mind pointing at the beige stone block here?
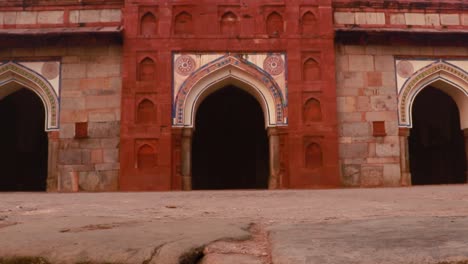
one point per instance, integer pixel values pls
(111, 155)
(415, 19)
(71, 84)
(355, 49)
(353, 150)
(397, 19)
(26, 17)
(101, 116)
(9, 18)
(352, 79)
(72, 71)
(450, 19)
(346, 104)
(432, 20)
(360, 129)
(373, 18)
(111, 15)
(371, 175)
(102, 70)
(67, 130)
(349, 117)
(74, 16)
(391, 174)
(381, 116)
(89, 181)
(384, 103)
(351, 174)
(89, 16)
(1, 18)
(452, 51)
(464, 19)
(50, 17)
(96, 156)
(361, 62)
(72, 103)
(387, 149)
(384, 63)
(360, 18)
(344, 18)
(363, 103)
(388, 79)
(73, 116)
(90, 143)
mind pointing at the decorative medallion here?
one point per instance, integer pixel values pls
(274, 65)
(50, 70)
(185, 65)
(405, 69)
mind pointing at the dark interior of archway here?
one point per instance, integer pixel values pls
(436, 142)
(23, 143)
(230, 143)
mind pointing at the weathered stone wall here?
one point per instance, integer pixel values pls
(90, 92)
(366, 92)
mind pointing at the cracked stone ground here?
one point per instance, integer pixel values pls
(388, 225)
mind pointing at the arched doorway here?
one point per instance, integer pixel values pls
(230, 143)
(436, 141)
(23, 141)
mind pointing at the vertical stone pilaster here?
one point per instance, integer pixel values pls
(186, 159)
(52, 170)
(405, 179)
(274, 145)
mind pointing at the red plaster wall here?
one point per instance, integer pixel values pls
(299, 44)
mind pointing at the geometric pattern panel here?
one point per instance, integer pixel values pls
(269, 69)
(42, 77)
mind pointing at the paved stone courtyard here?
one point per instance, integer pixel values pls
(385, 225)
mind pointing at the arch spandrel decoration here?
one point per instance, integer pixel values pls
(17, 75)
(262, 75)
(413, 76)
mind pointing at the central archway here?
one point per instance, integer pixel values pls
(436, 142)
(230, 143)
(24, 143)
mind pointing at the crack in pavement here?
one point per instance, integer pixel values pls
(157, 250)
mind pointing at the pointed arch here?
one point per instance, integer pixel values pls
(229, 23)
(230, 70)
(14, 76)
(148, 24)
(313, 156)
(274, 24)
(311, 70)
(312, 111)
(308, 23)
(146, 112)
(146, 69)
(183, 23)
(146, 157)
(441, 75)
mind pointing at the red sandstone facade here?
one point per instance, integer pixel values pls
(348, 70)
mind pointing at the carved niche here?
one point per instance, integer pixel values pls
(274, 24)
(312, 111)
(311, 70)
(183, 23)
(148, 24)
(229, 24)
(146, 69)
(313, 156)
(309, 23)
(146, 112)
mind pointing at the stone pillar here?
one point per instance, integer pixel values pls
(405, 179)
(465, 133)
(274, 143)
(52, 179)
(186, 159)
